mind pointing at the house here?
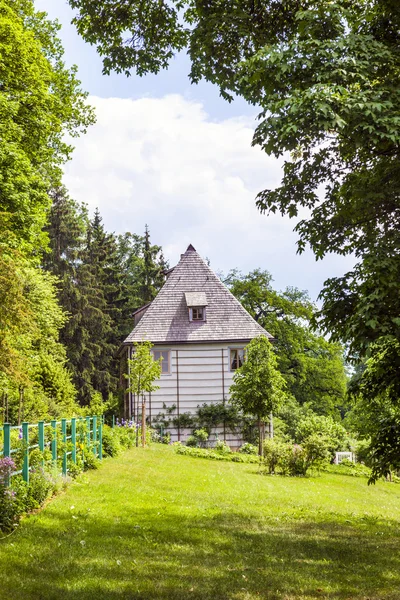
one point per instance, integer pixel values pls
(200, 331)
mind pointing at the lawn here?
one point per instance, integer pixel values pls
(151, 524)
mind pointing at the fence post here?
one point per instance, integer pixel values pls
(7, 445)
(73, 439)
(7, 439)
(54, 441)
(113, 421)
(88, 432)
(41, 438)
(95, 436)
(25, 440)
(64, 439)
(101, 440)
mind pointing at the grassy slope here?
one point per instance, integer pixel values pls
(154, 525)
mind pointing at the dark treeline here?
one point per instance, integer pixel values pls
(102, 279)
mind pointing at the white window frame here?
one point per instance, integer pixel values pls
(238, 349)
(160, 351)
(202, 308)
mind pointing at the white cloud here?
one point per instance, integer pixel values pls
(164, 162)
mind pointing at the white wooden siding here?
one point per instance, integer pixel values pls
(200, 376)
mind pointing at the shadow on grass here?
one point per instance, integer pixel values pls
(215, 556)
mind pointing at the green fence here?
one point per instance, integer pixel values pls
(63, 439)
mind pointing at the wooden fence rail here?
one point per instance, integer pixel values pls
(65, 438)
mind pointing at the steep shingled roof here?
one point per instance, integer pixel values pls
(166, 319)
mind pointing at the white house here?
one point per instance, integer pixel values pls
(200, 330)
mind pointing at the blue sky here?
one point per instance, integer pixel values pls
(179, 158)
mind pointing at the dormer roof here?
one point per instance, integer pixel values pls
(166, 319)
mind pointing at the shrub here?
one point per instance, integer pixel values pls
(9, 509)
(111, 441)
(222, 447)
(247, 448)
(90, 460)
(334, 433)
(201, 436)
(74, 469)
(212, 455)
(276, 456)
(297, 460)
(39, 488)
(191, 441)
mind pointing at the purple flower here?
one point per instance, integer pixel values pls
(7, 466)
(20, 434)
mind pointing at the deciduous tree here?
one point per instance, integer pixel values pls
(258, 388)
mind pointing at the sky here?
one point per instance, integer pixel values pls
(178, 158)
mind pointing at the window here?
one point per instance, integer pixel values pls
(236, 358)
(166, 362)
(197, 313)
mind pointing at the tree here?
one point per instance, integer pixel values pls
(41, 105)
(143, 370)
(326, 75)
(258, 388)
(41, 102)
(312, 366)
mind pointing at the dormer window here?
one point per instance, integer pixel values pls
(197, 304)
(197, 313)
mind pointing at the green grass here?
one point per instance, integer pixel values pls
(154, 525)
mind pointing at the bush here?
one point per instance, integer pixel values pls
(10, 510)
(247, 448)
(334, 433)
(222, 447)
(201, 437)
(90, 461)
(276, 455)
(74, 469)
(111, 441)
(293, 459)
(363, 452)
(212, 455)
(39, 488)
(317, 451)
(198, 439)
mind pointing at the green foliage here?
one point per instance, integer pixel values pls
(312, 367)
(211, 416)
(247, 448)
(41, 105)
(222, 447)
(332, 432)
(213, 454)
(111, 441)
(90, 461)
(276, 456)
(143, 370)
(40, 102)
(293, 459)
(258, 387)
(198, 439)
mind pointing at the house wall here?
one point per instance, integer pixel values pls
(199, 373)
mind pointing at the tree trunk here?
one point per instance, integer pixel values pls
(143, 421)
